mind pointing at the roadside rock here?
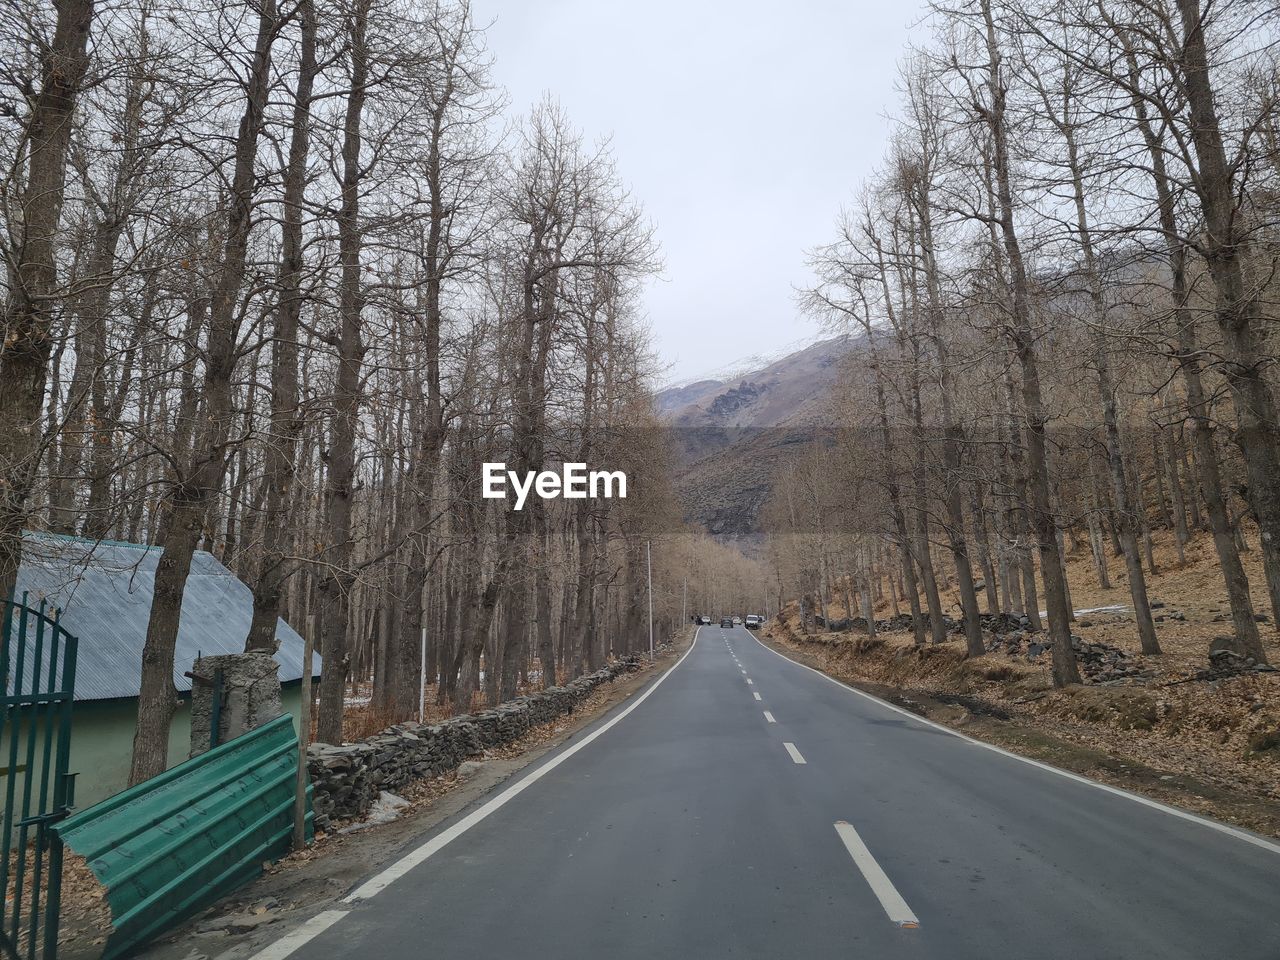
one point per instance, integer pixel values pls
(1225, 662)
(246, 923)
(1264, 741)
(1102, 663)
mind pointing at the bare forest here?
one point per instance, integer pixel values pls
(278, 278)
(1061, 279)
(626, 480)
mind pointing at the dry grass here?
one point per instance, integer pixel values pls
(1193, 588)
(363, 718)
(85, 915)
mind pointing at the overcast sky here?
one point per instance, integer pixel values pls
(741, 126)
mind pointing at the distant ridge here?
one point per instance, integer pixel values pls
(731, 430)
(743, 366)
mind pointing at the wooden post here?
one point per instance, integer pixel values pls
(422, 679)
(304, 739)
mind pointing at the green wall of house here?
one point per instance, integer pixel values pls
(102, 743)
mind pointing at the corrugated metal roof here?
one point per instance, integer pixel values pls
(104, 590)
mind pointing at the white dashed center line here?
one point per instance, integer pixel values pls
(795, 754)
(750, 681)
(769, 716)
(756, 694)
(880, 884)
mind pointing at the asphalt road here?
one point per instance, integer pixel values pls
(745, 806)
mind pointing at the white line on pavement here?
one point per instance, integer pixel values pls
(1106, 788)
(880, 884)
(769, 716)
(300, 936)
(406, 863)
(795, 754)
(750, 681)
(756, 694)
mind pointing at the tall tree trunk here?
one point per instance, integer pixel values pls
(287, 421)
(84, 406)
(338, 578)
(581, 639)
(426, 461)
(1240, 316)
(31, 305)
(922, 551)
(1024, 574)
(1179, 505)
(989, 581)
(1095, 532)
(1125, 511)
(953, 432)
(892, 484)
(1065, 669)
(1200, 423)
(186, 504)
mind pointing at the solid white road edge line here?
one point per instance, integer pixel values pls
(300, 936)
(876, 878)
(406, 863)
(795, 754)
(769, 716)
(1106, 788)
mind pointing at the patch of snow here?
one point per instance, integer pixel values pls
(1114, 608)
(385, 809)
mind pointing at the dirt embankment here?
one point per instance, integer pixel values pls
(1168, 726)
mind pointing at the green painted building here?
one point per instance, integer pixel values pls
(104, 591)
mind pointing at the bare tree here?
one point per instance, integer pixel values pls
(34, 193)
(186, 503)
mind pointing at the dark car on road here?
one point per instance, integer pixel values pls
(726, 621)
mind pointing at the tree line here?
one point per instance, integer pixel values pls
(279, 277)
(1060, 279)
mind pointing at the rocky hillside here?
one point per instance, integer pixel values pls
(730, 432)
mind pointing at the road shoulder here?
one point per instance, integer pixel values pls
(973, 719)
(316, 879)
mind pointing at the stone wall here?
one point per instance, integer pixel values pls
(347, 779)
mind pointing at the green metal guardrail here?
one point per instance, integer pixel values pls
(167, 848)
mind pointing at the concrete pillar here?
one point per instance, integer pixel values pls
(243, 689)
